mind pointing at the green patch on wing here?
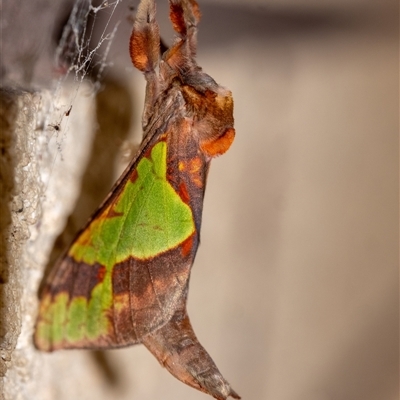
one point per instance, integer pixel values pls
(76, 322)
(146, 219)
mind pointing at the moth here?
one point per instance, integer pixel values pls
(124, 279)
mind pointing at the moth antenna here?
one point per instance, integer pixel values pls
(144, 49)
(184, 15)
(144, 46)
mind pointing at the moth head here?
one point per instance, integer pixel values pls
(206, 103)
(211, 112)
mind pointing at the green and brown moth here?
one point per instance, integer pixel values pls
(124, 280)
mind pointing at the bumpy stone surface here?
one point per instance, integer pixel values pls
(40, 182)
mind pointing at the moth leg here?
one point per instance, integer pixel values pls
(144, 49)
(176, 348)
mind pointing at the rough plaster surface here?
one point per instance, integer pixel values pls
(47, 166)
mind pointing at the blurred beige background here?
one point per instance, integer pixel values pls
(294, 291)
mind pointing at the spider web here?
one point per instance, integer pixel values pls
(67, 121)
(74, 53)
(80, 63)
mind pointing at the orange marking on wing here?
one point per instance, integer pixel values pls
(187, 246)
(197, 181)
(216, 147)
(183, 193)
(194, 169)
(111, 213)
(133, 176)
(85, 238)
(195, 165)
(101, 273)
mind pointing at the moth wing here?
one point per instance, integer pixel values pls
(127, 270)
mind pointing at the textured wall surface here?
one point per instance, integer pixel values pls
(294, 291)
(46, 185)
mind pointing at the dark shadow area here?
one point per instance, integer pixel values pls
(8, 112)
(114, 107)
(106, 368)
(113, 112)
